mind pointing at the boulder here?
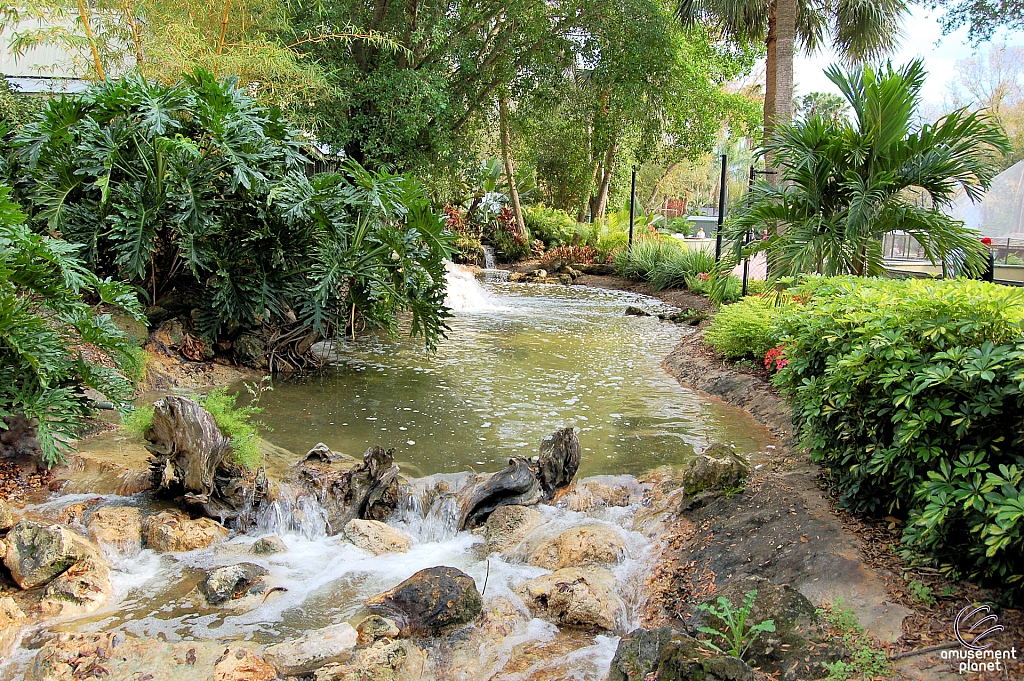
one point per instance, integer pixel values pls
(251, 351)
(378, 662)
(241, 664)
(584, 495)
(6, 516)
(117, 657)
(687, 659)
(376, 627)
(580, 546)
(798, 648)
(431, 601)
(508, 526)
(717, 467)
(233, 581)
(135, 331)
(573, 596)
(170, 333)
(600, 269)
(515, 485)
(80, 589)
(36, 553)
(376, 537)
(633, 311)
(174, 531)
(313, 650)
(119, 527)
(11, 620)
(559, 460)
(638, 654)
(265, 546)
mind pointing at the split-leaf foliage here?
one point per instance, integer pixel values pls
(51, 339)
(199, 189)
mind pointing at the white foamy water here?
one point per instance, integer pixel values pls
(465, 294)
(326, 581)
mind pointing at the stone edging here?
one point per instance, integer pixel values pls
(694, 366)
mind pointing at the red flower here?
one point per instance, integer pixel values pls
(775, 359)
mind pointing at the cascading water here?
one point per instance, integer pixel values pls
(465, 294)
(489, 263)
(325, 580)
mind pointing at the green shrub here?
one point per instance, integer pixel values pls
(745, 329)
(674, 270)
(196, 187)
(552, 226)
(46, 329)
(911, 393)
(643, 258)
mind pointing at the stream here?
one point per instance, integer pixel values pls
(519, 362)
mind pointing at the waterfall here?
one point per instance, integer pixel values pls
(465, 294)
(488, 258)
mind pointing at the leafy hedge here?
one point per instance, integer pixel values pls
(745, 330)
(552, 226)
(911, 393)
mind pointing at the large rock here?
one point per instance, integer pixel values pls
(233, 581)
(559, 460)
(579, 597)
(580, 546)
(595, 492)
(312, 650)
(431, 601)
(174, 531)
(376, 537)
(117, 527)
(508, 526)
(36, 553)
(798, 648)
(687, 659)
(11, 620)
(117, 657)
(241, 664)
(6, 516)
(717, 467)
(80, 589)
(638, 654)
(251, 351)
(265, 546)
(378, 662)
(515, 485)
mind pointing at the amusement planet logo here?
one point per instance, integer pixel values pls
(972, 625)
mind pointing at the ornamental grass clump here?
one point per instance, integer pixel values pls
(911, 394)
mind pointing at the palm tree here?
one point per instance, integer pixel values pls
(846, 183)
(857, 29)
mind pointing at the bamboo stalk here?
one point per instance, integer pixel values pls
(223, 27)
(92, 40)
(135, 32)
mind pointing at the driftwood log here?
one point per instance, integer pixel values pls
(365, 491)
(516, 485)
(192, 461)
(523, 484)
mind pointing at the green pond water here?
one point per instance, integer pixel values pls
(520, 361)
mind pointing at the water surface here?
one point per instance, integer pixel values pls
(520, 361)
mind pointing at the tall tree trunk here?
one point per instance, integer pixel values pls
(781, 51)
(510, 172)
(599, 204)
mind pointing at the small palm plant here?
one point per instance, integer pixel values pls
(848, 182)
(737, 634)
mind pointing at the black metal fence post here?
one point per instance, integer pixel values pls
(632, 202)
(721, 209)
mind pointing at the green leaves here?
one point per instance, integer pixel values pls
(195, 187)
(849, 182)
(44, 327)
(910, 393)
(734, 630)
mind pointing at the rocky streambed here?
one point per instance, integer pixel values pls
(344, 569)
